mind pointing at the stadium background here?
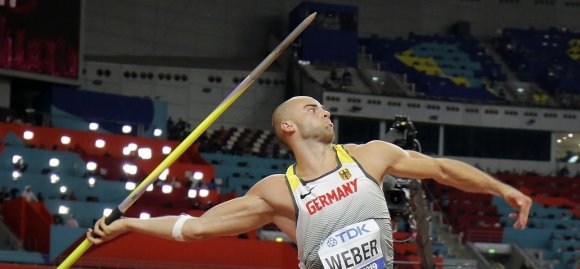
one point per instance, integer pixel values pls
(494, 83)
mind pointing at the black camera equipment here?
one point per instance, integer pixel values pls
(405, 197)
(396, 190)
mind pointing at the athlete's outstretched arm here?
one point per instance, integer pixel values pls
(411, 164)
(230, 218)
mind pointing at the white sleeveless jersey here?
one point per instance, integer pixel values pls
(344, 196)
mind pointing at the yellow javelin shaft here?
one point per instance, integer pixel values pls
(183, 146)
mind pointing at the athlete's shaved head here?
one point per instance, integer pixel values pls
(285, 112)
(281, 113)
(305, 115)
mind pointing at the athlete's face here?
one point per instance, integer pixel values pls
(312, 120)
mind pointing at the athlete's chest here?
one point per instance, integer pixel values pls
(330, 190)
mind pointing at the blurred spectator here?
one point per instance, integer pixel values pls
(28, 194)
(212, 184)
(346, 78)
(563, 172)
(72, 222)
(178, 130)
(91, 198)
(176, 183)
(72, 196)
(326, 85)
(4, 194)
(333, 75)
(57, 219)
(21, 166)
(170, 124)
(40, 197)
(14, 193)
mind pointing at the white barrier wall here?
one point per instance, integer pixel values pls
(195, 93)
(454, 113)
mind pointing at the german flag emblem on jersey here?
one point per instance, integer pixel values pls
(345, 174)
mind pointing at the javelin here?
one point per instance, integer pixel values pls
(180, 149)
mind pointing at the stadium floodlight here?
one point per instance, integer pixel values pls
(192, 193)
(54, 178)
(144, 153)
(198, 175)
(16, 175)
(100, 143)
(149, 188)
(203, 192)
(28, 135)
(144, 215)
(16, 159)
(164, 174)
(126, 129)
(53, 162)
(130, 185)
(107, 211)
(63, 210)
(130, 169)
(91, 166)
(167, 189)
(65, 140)
(126, 151)
(157, 132)
(92, 181)
(63, 189)
(132, 146)
(93, 126)
(166, 150)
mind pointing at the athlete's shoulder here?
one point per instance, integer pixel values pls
(275, 178)
(270, 182)
(371, 146)
(274, 191)
(376, 153)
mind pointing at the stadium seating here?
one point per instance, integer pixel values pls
(241, 172)
(439, 66)
(553, 223)
(241, 141)
(59, 173)
(550, 57)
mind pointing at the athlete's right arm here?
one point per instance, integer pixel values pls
(229, 218)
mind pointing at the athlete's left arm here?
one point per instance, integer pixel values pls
(412, 164)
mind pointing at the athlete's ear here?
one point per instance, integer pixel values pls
(287, 126)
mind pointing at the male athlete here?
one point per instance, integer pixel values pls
(329, 202)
